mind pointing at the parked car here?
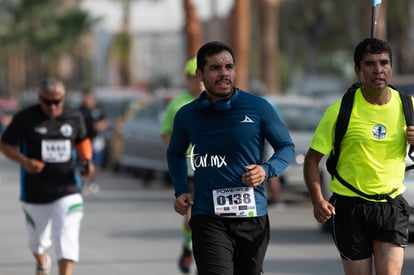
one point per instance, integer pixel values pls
(404, 83)
(115, 102)
(324, 88)
(301, 115)
(142, 151)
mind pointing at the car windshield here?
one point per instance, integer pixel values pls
(300, 117)
(114, 108)
(147, 110)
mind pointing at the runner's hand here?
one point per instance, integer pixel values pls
(323, 211)
(254, 176)
(33, 166)
(183, 203)
(410, 134)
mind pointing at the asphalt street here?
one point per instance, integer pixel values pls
(131, 228)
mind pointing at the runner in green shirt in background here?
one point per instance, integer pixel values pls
(194, 88)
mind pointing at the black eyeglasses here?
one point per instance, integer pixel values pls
(50, 102)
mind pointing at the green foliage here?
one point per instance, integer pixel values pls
(41, 28)
(122, 45)
(315, 32)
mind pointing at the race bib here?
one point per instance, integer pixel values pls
(55, 151)
(236, 202)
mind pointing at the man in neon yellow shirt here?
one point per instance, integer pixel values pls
(366, 232)
(195, 87)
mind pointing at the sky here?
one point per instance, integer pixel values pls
(153, 14)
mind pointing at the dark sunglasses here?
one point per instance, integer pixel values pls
(50, 102)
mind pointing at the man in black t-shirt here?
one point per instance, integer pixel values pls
(48, 140)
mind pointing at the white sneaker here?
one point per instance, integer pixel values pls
(94, 187)
(90, 188)
(44, 270)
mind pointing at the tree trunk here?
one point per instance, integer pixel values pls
(192, 27)
(241, 41)
(16, 74)
(268, 14)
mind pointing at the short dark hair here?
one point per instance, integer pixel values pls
(209, 49)
(372, 46)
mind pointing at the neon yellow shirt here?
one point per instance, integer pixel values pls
(373, 150)
(173, 106)
(168, 120)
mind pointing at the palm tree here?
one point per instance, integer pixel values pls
(241, 40)
(122, 45)
(36, 37)
(268, 13)
(192, 29)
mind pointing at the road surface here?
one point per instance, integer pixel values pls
(131, 228)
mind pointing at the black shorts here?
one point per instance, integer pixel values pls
(359, 222)
(229, 246)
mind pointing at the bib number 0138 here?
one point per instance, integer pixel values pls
(234, 199)
(234, 202)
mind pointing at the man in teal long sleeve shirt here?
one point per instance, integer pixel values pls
(227, 129)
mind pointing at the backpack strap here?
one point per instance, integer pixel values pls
(341, 126)
(408, 108)
(344, 115)
(409, 120)
(376, 197)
